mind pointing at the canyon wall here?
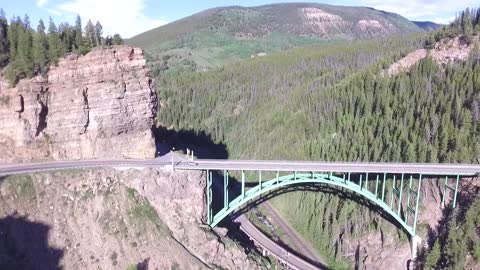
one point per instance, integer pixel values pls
(100, 105)
(112, 219)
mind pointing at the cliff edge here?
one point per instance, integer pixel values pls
(100, 105)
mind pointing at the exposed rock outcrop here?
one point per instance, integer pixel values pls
(180, 201)
(111, 219)
(443, 52)
(372, 25)
(323, 23)
(95, 106)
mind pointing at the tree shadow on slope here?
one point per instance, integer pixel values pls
(24, 245)
(201, 143)
(469, 193)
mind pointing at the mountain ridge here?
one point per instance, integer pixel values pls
(217, 35)
(279, 7)
(428, 25)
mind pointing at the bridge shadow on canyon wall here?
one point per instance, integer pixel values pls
(201, 143)
(204, 148)
(24, 245)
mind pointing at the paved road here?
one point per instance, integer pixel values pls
(9, 169)
(309, 166)
(212, 164)
(247, 227)
(300, 245)
(279, 252)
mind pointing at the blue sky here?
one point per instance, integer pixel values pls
(131, 17)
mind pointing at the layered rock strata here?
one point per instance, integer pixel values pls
(100, 105)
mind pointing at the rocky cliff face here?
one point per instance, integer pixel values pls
(443, 52)
(95, 106)
(180, 201)
(111, 219)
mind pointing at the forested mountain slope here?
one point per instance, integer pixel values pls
(315, 109)
(212, 37)
(333, 103)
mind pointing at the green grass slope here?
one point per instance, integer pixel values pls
(216, 36)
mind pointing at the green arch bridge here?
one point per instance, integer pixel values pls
(395, 188)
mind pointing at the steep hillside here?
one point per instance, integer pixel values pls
(331, 103)
(213, 36)
(451, 44)
(99, 105)
(111, 219)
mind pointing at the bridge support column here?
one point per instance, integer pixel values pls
(415, 243)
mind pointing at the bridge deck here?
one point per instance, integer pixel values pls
(250, 165)
(254, 165)
(311, 166)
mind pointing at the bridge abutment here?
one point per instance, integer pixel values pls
(415, 243)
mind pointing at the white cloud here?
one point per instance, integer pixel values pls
(446, 20)
(54, 12)
(41, 3)
(125, 17)
(434, 10)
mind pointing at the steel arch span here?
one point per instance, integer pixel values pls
(385, 190)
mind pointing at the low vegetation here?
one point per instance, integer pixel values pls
(141, 211)
(21, 185)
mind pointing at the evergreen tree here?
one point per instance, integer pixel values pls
(477, 17)
(12, 34)
(54, 43)
(108, 41)
(26, 21)
(467, 26)
(40, 48)
(98, 34)
(434, 256)
(4, 46)
(117, 40)
(90, 34)
(67, 37)
(24, 49)
(78, 44)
